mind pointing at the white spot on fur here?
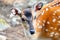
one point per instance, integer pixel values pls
(46, 30)
(42, 13)
(54, 20)
(46, 9)
(48, 22)
(58, 16)
(52, 33)
(56, 33)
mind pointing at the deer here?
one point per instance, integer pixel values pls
(47, 22)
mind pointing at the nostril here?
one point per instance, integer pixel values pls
(32, 32)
